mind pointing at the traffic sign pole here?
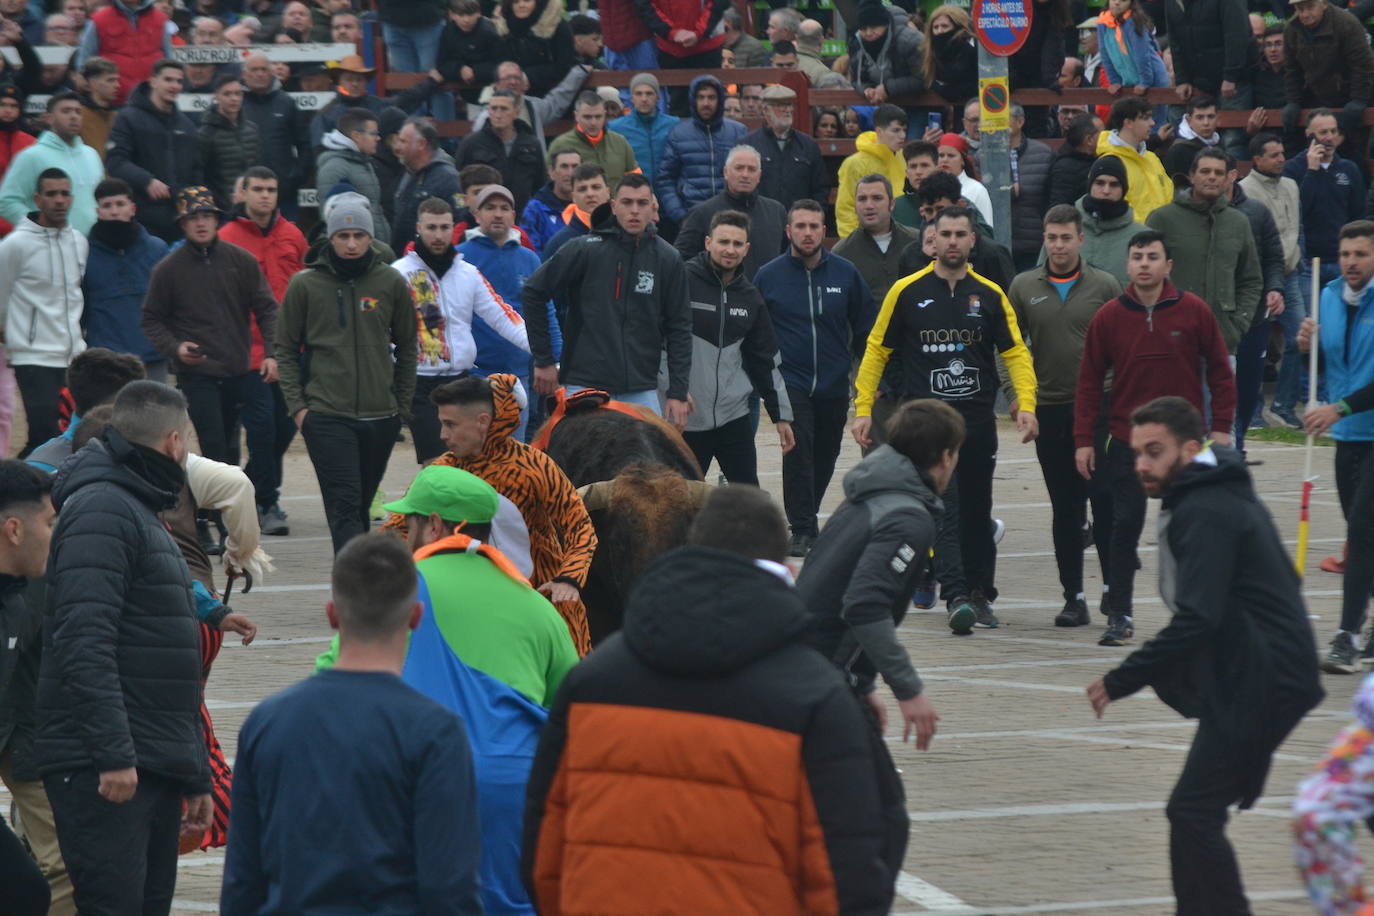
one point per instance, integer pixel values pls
(1001, 27)
(994, 149)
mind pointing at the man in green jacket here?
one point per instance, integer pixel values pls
(597, 144)
(1214, 248)
(1054, 305)
(339, 322)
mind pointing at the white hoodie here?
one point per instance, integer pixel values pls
(445, 340)
(40, 294)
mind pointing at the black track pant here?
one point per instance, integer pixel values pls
(1355, 483)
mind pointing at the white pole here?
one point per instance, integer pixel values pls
(1312, 358)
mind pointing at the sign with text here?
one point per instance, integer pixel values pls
(287, 53)
(1002, 26)
(192, 102)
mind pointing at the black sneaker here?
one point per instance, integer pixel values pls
(1120, 627)
(1075, 614)
(801, 545)
(985, 618)
(1343, 658)
(212, 546)
(961, 616)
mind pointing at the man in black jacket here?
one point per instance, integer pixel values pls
(507, 145)
(627, 302)
(154, 147)
(1237, 653)
(858, 578)
(429, 173)
(26, 522)
(793, 169)
(119, 732)
(283, 130)
(767, 217)
(1213, 51)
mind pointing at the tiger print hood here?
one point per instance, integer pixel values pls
(508, 398)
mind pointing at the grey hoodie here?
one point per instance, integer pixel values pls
(858, 579)
(343, 161)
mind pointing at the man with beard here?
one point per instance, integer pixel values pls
(1343, 324)
(1237, 652)
(1155, 340)
(946, 325)
(447, 292)
(821, 309)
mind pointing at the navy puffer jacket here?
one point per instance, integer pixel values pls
(694, 158)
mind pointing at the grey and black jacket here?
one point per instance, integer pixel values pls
(734, 352)
(858, 579)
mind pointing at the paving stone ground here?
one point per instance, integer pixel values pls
(1025, 803)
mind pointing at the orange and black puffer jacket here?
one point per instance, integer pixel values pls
(562, 539)
(703, 760)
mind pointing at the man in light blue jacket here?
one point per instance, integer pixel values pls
(647, 126)
(58, 147)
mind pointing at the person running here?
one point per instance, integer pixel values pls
(1155, 341)
(1345, 332)
(393, 777)
(858, 579)
(1054, 304)
(947, 324)
(477, 419)
(447, 291)
(489, 648)
(734, 355)
(1237, 652)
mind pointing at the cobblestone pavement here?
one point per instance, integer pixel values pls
(1025, 803)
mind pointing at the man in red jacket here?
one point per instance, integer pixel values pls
(687, 38)
(258, 227)
(1156, 341)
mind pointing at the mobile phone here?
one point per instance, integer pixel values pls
(195, 348)
(936, 121)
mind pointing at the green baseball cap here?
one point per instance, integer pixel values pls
(451, 493)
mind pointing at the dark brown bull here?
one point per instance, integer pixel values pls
(642, 487)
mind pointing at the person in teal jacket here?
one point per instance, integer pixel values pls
(646, 125)
(490, 648)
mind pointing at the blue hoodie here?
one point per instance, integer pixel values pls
(506, 267)
(1330, 198)
(821, 318)
(693, 163)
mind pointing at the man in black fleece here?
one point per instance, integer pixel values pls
(1237, 654)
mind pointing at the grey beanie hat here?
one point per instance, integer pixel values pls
(349, 214)
(644, 79)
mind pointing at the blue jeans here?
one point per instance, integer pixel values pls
(412, 50)
(648, 398)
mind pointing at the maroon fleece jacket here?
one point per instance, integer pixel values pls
(1152, 353)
